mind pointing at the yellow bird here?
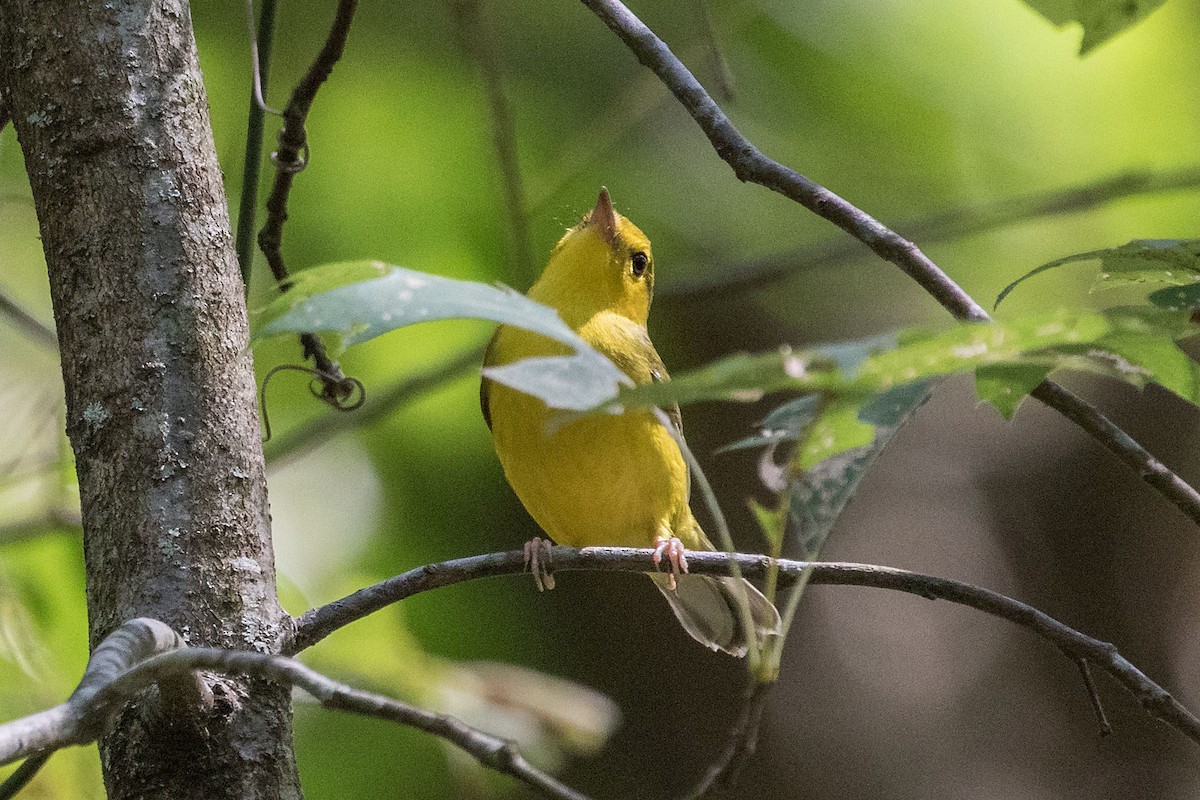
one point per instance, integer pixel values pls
(611, 480)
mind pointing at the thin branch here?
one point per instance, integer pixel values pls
(942, 226)
(478, 43)
(260, 54)
(1089, 683)
(296, 442)
(316, 624)
(33, 327)
(1181, 494)
(293, 141)
(750, 164)
(144, 651)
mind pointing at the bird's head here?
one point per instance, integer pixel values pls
(602, 264)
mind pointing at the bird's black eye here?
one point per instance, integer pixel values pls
(640, 261)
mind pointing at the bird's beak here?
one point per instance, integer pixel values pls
(603, 217)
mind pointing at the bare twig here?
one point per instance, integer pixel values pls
(315, 625)
(939, 227)
(260, 57)
(33, 327)
(293, 141)
(750, 164)
(1097, 704)
(145, 651)
(1182, 494)
(296, 442)
(478, 43)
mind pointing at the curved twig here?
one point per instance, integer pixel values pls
(750, 164)
(316, 624)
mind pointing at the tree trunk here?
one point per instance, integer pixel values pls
(112, 116)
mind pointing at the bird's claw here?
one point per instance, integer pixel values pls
(676, 555)
(537, 560)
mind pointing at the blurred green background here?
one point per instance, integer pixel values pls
(906, 108)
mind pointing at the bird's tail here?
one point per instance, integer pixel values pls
(707, 607)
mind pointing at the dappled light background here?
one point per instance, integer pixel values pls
(905, 108)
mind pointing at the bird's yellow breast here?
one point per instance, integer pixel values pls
(603, 480)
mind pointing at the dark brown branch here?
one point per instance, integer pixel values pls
(315, 625)
(290, 159)
(749, 164)
(939, 227)
(1181, 494)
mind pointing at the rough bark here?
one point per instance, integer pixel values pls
(112, 116)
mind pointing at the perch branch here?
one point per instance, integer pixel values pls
(750, 164)
(318, 623)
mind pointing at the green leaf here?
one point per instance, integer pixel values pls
(837, 430)
(819, 494)
(1171, 262)
(360, 300)
(1101, 19)
(1006, 386)
(1176, 298)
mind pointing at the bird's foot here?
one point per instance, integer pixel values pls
(538, 561)
(676, 555)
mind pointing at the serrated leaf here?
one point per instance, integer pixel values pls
(1171, 262)
(1005, 386)
(1101, 19)
(364, 299)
